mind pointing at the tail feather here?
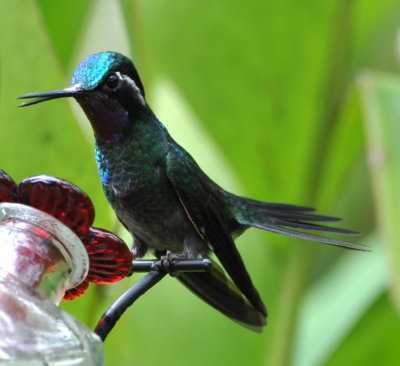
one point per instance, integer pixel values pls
(316, 238)
(299, 216)
(277, 206)
(218, 291)
(314, 227)
(281, 218)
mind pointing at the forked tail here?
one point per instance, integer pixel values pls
(288, 219)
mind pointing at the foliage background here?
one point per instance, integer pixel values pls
(283, 101)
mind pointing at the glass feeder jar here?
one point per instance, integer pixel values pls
(40, 258)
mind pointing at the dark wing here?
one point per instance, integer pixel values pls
(206, 210)
(218, 291)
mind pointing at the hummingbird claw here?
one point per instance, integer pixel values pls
(166, 261)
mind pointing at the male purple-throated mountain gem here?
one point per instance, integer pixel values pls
(165, 200)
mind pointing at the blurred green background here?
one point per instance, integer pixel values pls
(286, 101)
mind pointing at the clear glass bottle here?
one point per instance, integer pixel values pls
(40, 258)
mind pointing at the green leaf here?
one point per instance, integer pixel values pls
(330, 303)
(64, 25)
(381, 95)
(374, 340)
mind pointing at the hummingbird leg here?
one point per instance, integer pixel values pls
(139, 248)
(194, 247)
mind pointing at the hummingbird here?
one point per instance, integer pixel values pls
(164, 198)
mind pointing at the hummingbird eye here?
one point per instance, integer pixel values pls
(112, 82)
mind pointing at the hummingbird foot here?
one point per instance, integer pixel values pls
(166, 260)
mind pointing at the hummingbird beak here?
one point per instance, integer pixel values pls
(72, 91)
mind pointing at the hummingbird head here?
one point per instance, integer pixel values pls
(109, 90)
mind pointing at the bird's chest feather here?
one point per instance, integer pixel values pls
(137, 186)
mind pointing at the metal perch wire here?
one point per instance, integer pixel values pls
(157, 271)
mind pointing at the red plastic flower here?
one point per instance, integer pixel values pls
(109, 257)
